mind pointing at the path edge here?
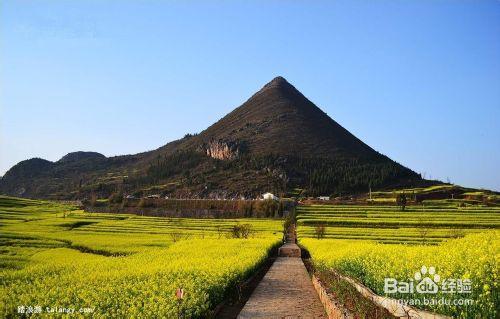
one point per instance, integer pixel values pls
(392, 305)
(334, 310)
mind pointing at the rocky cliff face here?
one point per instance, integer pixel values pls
(222, 150)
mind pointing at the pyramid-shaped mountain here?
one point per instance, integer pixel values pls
(276, 141)
(279, 119)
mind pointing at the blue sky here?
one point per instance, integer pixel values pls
(417, 80)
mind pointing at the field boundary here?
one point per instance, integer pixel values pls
(392, 305)
(333, 309)
(230, 308)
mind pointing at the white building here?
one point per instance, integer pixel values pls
(269, 196)
(324, 198)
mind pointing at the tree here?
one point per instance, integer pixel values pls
(93, 199)
(267, 207)
(401, 201)
(116, 198)
(245, 207)
(319, 231)
(220, 230)
(423, 231)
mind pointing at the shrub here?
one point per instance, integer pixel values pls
(241, 231)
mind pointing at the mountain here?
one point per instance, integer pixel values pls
(81, 156)
(276, 141)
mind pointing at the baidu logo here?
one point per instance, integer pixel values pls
(427, 281)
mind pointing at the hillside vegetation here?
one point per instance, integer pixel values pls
(276, 141)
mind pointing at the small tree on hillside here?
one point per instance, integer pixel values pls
(401, 201)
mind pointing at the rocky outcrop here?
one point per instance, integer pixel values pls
(222, 150)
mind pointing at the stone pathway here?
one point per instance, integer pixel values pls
(286, 291)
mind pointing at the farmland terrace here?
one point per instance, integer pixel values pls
(91, 259)
(388, 224)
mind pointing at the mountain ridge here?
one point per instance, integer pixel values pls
(276, 140)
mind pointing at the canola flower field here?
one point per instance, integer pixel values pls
(372, 243)
(54, 258)
(416, 225)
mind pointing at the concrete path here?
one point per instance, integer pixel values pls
(286, 291)
(289, 250)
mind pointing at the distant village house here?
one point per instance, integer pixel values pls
(269, 196)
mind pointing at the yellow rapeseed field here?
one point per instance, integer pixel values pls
(54, 259)
(475, 257)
